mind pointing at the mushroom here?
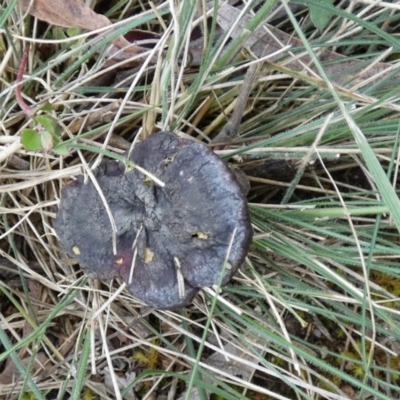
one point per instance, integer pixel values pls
(170, 241)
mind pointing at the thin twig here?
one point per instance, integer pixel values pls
(18, 90)
(231, 128)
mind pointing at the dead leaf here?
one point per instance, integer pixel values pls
(272, 39)
(229, 366)
(35, 292)
(232, 366)
(73, 14)
(95, 117)
(11, 373)
(143, 39)
(122, 381)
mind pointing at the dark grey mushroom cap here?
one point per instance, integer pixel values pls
(175, 237)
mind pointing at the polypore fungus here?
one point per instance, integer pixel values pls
(170, 241)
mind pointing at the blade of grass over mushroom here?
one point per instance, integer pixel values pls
(129, 164)
(103, 128)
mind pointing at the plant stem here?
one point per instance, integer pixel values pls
(18, 90)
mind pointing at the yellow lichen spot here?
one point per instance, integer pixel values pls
(76, 250)
(200, 235)
(148, 255)
(120, 260)
(148, 182)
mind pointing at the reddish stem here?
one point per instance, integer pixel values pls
(18, 90)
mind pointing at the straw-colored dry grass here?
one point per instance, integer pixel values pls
(314, 312)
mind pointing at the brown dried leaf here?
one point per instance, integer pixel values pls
(68, 14)
(272, 39)
(11, 373)
(144, 40)
(122, 381)
(72, 14)
(230, 366)
(35, 293)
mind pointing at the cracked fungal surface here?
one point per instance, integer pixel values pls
(170, 241)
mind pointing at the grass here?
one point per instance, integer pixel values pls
(314, 313)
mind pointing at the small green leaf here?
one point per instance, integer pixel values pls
(31, 139)
(58, 33)
(61, 149)
(71, 32)
(46, 122)
(57, 130)
(46, 107)
(320, 17)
